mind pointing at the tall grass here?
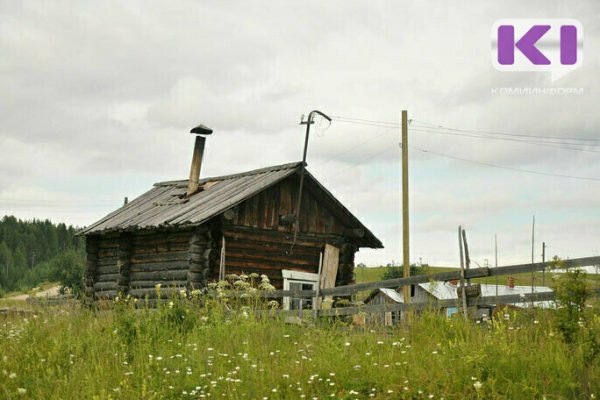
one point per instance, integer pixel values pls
(185, 349)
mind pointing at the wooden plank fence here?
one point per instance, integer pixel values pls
(349, 290)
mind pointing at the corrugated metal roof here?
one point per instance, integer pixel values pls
(392, 294)
(167, 206)
(447, 291)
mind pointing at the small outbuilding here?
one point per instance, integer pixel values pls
(183, 234)
(424, 293)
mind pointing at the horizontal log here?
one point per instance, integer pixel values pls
(159, 266)
(154, 258)
(296, 259)
(107, 261)
(108, 244)
(107, 277)
(99, 286)
(165, 275)
(247, 262)
(109, 269)
(107, 253)
(152, 283)
(199, 240)
(264, 235)
(161, 248)
(271, 248)
(106, 294)
(158, 240)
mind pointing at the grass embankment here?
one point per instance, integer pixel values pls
(187, 351)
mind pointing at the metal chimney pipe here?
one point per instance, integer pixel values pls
(196, 165)
(197, 158)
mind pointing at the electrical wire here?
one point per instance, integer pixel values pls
(504, 167)
(387, 132)
(504, 133)
(545, 141)
(553, 145)
(364, 160)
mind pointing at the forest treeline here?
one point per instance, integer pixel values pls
(32, 252)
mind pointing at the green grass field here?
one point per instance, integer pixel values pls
(183, 350)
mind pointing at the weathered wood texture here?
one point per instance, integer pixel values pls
(269, 252)
(118, 263)
(124, 262)
(201, 246)
(91, 266)
(107, 274)
(256, 242)
(159, 257)
(263, 210)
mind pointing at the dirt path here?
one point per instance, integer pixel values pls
(53, 291)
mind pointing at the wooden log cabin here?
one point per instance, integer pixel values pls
(184, 234)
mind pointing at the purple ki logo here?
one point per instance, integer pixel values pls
(554, 45)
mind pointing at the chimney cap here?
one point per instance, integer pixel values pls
(202, 130)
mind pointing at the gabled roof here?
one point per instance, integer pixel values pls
(167, 206)
(447, 291)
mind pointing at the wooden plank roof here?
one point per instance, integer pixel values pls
(166, 205)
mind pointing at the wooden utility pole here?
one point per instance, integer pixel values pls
(462, 273)
(544, 262)
(467, 258)
(405, 230)
(496, 259)
(532, 256)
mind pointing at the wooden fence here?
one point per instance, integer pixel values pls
(349, 290)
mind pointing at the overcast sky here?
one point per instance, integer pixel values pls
(97, 99)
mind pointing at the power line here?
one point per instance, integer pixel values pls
(554, 145)
(363, 161)
(504, 167)
(545, 141)
(505, 133)
(355, 146)
(424, 124)
(348, 119)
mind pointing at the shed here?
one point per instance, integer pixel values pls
(426, 292)
(233, 224)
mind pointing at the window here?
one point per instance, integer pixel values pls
(296, 280)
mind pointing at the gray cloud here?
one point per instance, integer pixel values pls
(107, 93)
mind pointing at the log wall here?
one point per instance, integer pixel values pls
(159, 257)
(134, 263)
(89, 275)
(200, 248)
(269, 252)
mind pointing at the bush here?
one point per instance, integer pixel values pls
(67, 268)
